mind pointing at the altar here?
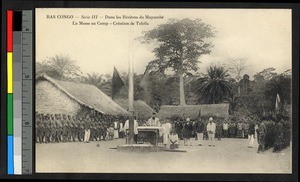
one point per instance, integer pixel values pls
(149, 134)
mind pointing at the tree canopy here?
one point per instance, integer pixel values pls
(180, 43)
(215, 86)
(60, 67)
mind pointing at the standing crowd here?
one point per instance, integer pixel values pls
(269, 131)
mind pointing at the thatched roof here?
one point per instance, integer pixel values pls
(192, 111)
(140, 107)
(87, 95)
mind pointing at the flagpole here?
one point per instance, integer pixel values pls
(130, 91)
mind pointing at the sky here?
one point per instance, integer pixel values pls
(262, 36)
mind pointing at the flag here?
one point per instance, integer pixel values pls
(145, 82)
(117, 83)
(277, 104)
(199, 114)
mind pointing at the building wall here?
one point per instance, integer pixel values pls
(51, 100)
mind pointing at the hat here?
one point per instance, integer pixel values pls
(187, 119)
(210, 119)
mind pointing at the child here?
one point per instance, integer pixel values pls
(111, 131)
(173, 140)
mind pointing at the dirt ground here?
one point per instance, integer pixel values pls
(228, 156)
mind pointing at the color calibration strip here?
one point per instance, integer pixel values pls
(19, 92)
(10, 141)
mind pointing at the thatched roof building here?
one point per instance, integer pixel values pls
(62, 97)
(140, 107)
(193, 111)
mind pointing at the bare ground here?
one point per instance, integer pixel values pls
(228, 156)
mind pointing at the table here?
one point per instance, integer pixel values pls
(149, 134)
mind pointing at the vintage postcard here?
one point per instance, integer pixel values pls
(130, 90)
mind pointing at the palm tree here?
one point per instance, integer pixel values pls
(94, 79)
(215, 86)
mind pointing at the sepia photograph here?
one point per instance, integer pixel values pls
(190, 90)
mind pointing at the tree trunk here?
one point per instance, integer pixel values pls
(181, 90)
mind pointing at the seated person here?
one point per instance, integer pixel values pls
(173, 140)
(111, 131)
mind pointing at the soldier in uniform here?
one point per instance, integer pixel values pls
(69, 129)
(53, 129)
(58, 128)
(199, 131)
(178, 128)
(239, 129)
(58, 132)
(77, 124)
(219, 128)
(42, 129)
(64, 132)
(97, 130)
(74, 129)
(232, 129)
(278, 135)
(47, 129)
(187, 134)
(93, 131)
(246, 128)
(81, 130)
(286, 131)
(261, 134)
(101, 125)
(37, 129)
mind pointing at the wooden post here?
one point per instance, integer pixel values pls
(130, 92)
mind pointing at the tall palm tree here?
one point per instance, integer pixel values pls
(215, 86)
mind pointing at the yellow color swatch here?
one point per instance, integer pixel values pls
(9, 73)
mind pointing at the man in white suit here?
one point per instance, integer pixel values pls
(211, 130)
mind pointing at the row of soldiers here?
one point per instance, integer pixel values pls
(65, 128)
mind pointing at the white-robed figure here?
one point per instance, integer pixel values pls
(116, 129)
(135, 131)
(166, 126)
(153, 121)
(211, 130)
(121, 133)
